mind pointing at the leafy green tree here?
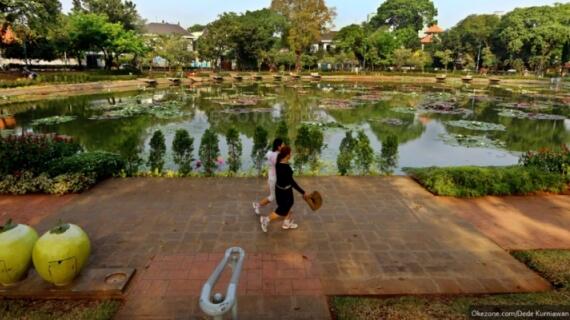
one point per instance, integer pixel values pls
(217, 42)
(381, 45)
(489, 59)
(402, 14)
(445, 57)
(420, 59)
(402, 57)
(308, 147)
(388, 159)
(353, 39)
(183, 151)
(209, 151)
(345, 158)
(157, 152)
(197, 28)
(173, 49)
(130, 152)
(117, 11)
(282, 131)
(308, 20)
(260, 142)
(234, 149)
(364, 155)
(309, 61)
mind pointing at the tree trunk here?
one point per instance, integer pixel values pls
(298, 61)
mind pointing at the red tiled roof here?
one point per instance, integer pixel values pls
(434, 29)
(427, 39)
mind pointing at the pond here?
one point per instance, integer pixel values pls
(436, 125)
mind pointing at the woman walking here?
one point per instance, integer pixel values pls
(283, 192)
(271, 157)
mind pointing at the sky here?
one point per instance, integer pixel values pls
(189, 12)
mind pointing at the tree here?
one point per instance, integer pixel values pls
(173, 49)
(489, 60)
(157, 152)
(364, 155)
(352, 39)
(217, 41)
(183, 151)
(282, 132)
(234, 149)
(402, 57)
(420, 59)
(308, 19)
(345, 158)
(445, 57)
(381, 45)
(197, 28)
(308, 146)
(388, 159)
(404, 14)
(117, 11)
(209, 151)
(260, 142)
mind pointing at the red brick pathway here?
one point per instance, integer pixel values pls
(537, 222)
(31, 209)
(373, 236)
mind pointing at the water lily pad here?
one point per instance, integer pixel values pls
(405, 110)
(330, 124)
(470, 141)
(336, 104)
(476, 125)
(518, 114)
(55, 120)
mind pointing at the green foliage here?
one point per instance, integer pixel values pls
(260, 143)
(344, 160)
(445, 57)
(282, 132)
(33, 152)
(489, 59)
(99, 165)
(234, 149)
(209, 151)
(28, 183)
(183, 151)
(172, 48)
(364, 155)
(402, 57)
(388, 159)
(553, 161)
(308, 20)
(123, 12)
(471, 182)
(402, 14)
(157, 151)
(308, 146)
(352, 39)
(130, 152)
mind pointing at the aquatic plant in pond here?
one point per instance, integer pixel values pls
(518, 114)
(477, 125)
(470, 141)
(388, 159)
(182, 150)
(209, 151)
(345, 158)
(234, 149)
(260, 143)
(157, 152)
(50, 121)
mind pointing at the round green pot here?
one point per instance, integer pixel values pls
(16, 245)
(61, 253)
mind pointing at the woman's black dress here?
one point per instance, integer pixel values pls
(284, 189)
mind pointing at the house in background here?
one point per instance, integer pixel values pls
(157, 29)
(430, 35)
(326, 43)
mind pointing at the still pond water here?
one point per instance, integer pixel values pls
(435, 125)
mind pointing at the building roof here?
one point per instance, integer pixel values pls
(434, 29)
(427, 39)
(165, 29)
(328, 36)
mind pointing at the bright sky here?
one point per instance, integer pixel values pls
(189, 12)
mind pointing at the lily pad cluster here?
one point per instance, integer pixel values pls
(518, 114)
(476, 125)
(55, 120)
(372, 97)
(336, 104)
(240, 101)
(470, 141)
(165, 110)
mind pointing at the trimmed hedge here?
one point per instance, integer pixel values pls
(100, 165)
(469, 182)
(28, 183)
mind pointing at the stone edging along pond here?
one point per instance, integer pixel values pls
(54, 91)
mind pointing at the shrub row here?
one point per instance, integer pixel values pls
(27, 183)
(99, 165)
(471, 182)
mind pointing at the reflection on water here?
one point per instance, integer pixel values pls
(124, 123)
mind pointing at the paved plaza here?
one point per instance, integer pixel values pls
(373, 236)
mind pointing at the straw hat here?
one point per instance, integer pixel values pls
(315, 200)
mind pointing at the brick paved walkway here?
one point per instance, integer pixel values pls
(538, 222)
(377, 236)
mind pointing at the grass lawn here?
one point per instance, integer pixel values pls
(57, 310)
(553, 265)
